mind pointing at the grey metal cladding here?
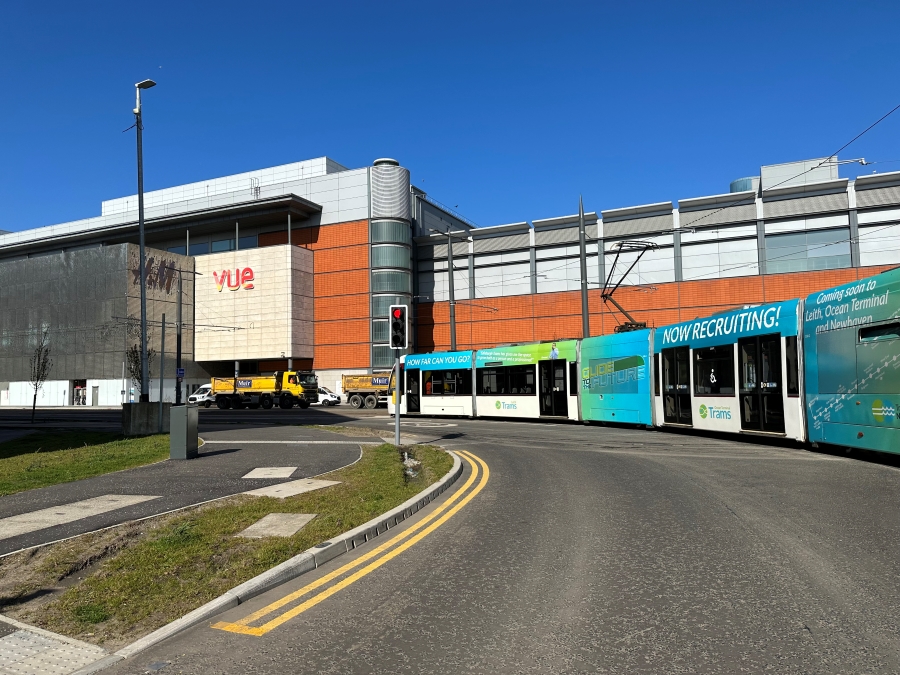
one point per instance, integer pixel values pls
(83, 298)
(427, 251)
(562, 235)
(390, 192)
(628, 227)
(800, 206)
(878, 196)
(491, 244)
(592, 231)
(739, 213)
(460, 248)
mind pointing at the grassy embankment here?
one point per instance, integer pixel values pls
(50, 458)
(141, 576)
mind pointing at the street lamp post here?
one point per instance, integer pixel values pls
(582, 250)
(145, 379)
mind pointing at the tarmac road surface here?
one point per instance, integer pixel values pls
(595, 549)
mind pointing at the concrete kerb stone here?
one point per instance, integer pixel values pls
(286, 571)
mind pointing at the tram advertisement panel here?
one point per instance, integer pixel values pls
(615, 378)
(851, 337)
(780, 317)
(525, 354)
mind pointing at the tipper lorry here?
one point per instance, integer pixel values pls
(366, 390)
(284, 389)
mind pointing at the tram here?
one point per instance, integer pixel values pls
(823, 369)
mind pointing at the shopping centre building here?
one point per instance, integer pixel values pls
(295, 267)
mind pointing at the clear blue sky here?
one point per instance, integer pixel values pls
(509, 110)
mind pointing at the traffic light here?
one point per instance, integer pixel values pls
(399, 339)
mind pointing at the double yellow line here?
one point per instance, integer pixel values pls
(378, 557)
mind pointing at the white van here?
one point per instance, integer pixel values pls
(203, 396)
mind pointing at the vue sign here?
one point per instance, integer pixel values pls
(242, 278)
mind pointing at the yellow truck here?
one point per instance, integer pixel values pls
(366, 390)
(284, 389)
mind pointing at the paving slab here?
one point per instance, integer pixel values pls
(13, 526)
(291, 489)
(277, 525)
(27, 650)
(272, 472)
(217, 472)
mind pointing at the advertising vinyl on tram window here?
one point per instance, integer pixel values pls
(520, 355)
(615, 378)
(442, 382)
(851, 338)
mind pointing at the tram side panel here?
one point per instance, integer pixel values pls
(439, 383)
(851, 337)
(735, 372)
(528, 381)
(616, 377)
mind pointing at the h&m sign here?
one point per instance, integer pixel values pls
(242, 278)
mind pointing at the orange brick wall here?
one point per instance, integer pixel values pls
(552, 316)
(341, 289)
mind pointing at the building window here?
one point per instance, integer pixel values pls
(808, 251)
(508, 381)
(391, 231)
(398, 282)
(447, 383)
(383, 356)
(223, 245)
(250, 241)
(199, 249)
(714, 371)
(386, 255)
(180, 250)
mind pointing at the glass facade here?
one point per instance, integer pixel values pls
(222, 245)
(201, 248)
(381, 331)
(391, 281)
(381, 303)
(808, 251)
(391, 231)
(387, 255)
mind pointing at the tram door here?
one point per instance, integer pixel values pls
(554, 397)
(762, 403)
(412, 390)
(676, 372)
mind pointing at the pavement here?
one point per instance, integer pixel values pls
(36, 517)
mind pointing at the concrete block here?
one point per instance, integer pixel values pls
(142, 419)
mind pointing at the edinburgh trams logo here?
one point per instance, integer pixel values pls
(883, 411)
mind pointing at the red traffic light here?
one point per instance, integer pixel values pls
(397, 312)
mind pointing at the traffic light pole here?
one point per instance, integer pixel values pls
(397, 395)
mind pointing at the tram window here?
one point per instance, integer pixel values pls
(656, 376)
(793, 366)
(573, 379)
(521, 380)
(888, 331)
(714, 371)
(448, 383)
(515, 380)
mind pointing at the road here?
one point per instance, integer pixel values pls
(596, 549)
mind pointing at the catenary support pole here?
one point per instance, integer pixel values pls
(397, 397)
(452, 295)
(162, 369)
(582, 245)
(178, 345)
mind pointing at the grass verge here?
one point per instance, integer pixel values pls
(49, 458)
(131, 580)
